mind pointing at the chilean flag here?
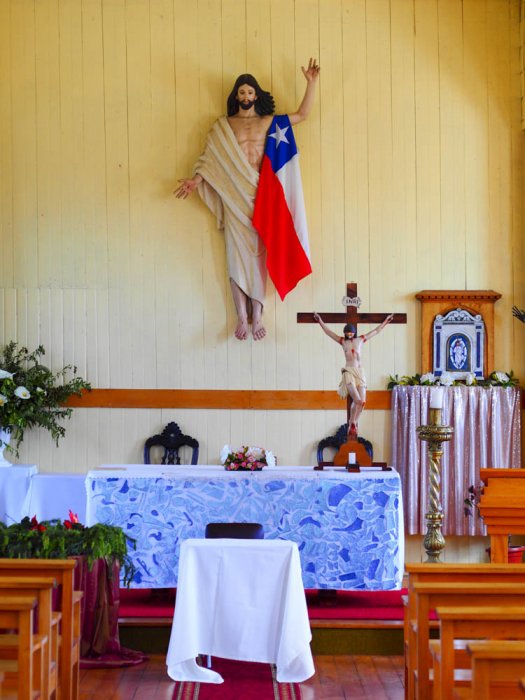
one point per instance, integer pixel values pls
(279, 215)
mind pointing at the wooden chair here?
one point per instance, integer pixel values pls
(493, 622)
(47, 623)
(171, 440)
(26, 669)
(497, 667)
(417, 662)
(69, 651)
(238, 531)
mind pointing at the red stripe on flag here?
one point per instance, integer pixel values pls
(287, 262)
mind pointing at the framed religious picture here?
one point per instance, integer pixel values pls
(457, 332)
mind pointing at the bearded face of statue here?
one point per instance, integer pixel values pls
(246, 96)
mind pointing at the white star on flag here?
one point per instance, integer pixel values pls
(279, 135)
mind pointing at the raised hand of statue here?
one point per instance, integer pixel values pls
(317, 317)
(185, 188)
(312, 72)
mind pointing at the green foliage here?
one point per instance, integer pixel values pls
(31, 395)
(54, 539)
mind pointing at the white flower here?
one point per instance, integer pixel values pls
(22, 392)
(256, 452)
(3, 400)
(427, 378)
(270, 459)
(446, 379)
(4, 374)
(470, 378)
(502, 377)
(224, 453)
(39, 390)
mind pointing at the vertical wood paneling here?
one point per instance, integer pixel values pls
(403, 266)
(48, 171)
(500, 153)
(428, 165)
(412, 166)
(6, 151)
(476, 59)
(23, 144)
(73, 246)
(382, 244)
(117, 188)
(451, 134)
(93, 200)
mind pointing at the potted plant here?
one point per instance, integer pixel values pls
(31, 395)
(471, 508)
(54, 539)
(101, 552)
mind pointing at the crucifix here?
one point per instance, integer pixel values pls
(351, 315)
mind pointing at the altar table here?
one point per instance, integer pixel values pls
(348, 526)
(51, 496)
(14, 485)
(240, 599)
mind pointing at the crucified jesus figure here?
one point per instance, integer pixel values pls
(353, 380)
(226, 177)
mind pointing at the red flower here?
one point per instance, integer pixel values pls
(36, 525)
(73, 517)
(67, 524)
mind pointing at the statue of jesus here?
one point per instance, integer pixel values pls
(226, 177)
(353, 380)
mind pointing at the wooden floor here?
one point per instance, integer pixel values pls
(336, 678)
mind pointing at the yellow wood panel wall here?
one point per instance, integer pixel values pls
(412, 163)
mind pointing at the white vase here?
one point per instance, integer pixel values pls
(5, 437)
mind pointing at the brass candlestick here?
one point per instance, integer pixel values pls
(435, 434)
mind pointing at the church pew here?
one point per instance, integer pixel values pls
(417, 627)
(428, 595)
(26, 671)
(69, 651)
(492, 622)
(497, 667)
(47, 623)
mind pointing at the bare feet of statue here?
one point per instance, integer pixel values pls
(241, 332)
(352, 431)
(258, 330)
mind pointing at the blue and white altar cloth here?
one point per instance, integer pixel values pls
(348, 526)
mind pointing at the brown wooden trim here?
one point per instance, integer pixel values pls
(223, 399)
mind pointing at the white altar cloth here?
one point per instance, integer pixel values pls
(52, 496)
(348, 526)
(240, 599)
(14, 485)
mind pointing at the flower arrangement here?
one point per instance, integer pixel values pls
(31, 395)
(54, 539)
(246, 459)
(504, 379)
(471, 502)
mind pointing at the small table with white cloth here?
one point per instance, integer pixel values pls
(240, 599)
(52, 496)
(14, 485)
(348, 526)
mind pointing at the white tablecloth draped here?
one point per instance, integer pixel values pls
(14, 486)
(240, 599)
(52, 496)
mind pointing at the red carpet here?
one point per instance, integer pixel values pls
(243, 680)
(351, 605)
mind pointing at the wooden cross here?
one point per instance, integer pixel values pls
(351, 315)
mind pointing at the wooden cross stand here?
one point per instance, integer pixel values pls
(351, 315)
